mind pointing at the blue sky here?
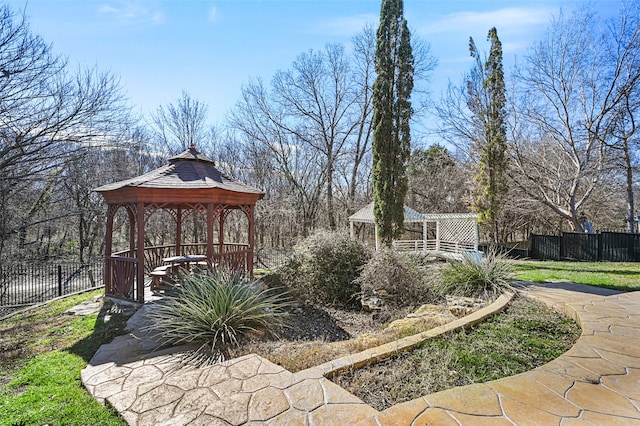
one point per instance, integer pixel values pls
(210, 48)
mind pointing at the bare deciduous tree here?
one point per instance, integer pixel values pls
(305, 121)
(622, 54)
(571, 86)
(257, 119)
(48, 116)
(181, 125)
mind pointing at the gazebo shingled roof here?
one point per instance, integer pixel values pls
(188, 170)
(189, 182)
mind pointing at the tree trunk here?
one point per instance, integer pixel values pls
(330, 209)
(630, 201)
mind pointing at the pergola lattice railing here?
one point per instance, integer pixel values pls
(454, 232)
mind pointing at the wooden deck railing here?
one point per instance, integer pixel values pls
(120, 277)
(121, 267)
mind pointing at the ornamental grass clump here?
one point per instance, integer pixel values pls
(469, 277)
(216, 310)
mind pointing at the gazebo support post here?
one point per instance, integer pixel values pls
(132, 231)
(377, 238)
(424, 237)
(140, 254)
(251, 217)
(108, 247)
(179, 231)
(221, 231)
(477, 237)
(210, 234)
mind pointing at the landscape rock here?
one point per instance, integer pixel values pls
(463, 306)
(433, 314)
(371, 304)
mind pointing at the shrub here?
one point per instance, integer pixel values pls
(490, 277)
(216, 310)
(324, 267)
(399, 279)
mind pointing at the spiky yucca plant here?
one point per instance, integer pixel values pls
(216, 310)
(468, 277)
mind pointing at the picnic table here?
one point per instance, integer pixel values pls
(173, 264)
(184, 261)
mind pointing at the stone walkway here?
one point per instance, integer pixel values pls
(596, 382)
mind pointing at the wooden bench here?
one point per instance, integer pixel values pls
(158, 274)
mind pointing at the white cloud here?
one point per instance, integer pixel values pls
(516, 26)
(134, 12)
(345, 25)
(214, 16)
(506, 19)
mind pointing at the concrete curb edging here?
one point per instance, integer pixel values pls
(373, 355)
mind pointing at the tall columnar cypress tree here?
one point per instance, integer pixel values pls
(491, 178)
(391, 115)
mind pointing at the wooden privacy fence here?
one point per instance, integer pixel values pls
(602, 246)
(25, 284)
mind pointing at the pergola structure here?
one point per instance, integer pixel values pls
(190, 182)
(454, 233)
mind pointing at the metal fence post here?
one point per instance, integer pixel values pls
(599, 247)
(59, 280)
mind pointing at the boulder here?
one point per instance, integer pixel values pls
(462, 306)
(371, 304)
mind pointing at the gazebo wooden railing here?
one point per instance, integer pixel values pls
(120, 279)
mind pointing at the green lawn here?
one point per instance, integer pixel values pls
(624, 276)
(42, 353)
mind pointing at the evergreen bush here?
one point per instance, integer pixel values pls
(324, 267)
(399, 279)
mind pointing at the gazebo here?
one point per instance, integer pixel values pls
(454, 233)
(190, 182)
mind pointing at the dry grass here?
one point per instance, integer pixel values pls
(300, 355)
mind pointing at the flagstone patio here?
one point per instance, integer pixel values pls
(595, 382)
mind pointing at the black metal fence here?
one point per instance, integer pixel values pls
(26, 284)
(29, 283)
(602, 246)
(270, 258)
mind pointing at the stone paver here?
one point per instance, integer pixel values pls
(595, 382)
